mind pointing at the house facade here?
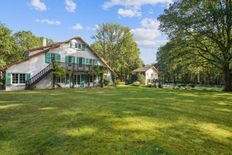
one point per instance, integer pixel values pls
(150, 73)
(83, 67)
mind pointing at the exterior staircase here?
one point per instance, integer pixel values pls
(39, 76)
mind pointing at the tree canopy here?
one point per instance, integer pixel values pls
(204, 29)
(116, 45)
(14, 47)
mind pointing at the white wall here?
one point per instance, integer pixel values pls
(151, 74)
(45, 83)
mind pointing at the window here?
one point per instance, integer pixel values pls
(15, 78)
(18, 78)
(69, 59)
(90, 61)
(81, 61)
(60, 79)
(77, 79)
(22, 78)
(53, 57)
(79, 46)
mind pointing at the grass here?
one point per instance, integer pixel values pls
(126, 120)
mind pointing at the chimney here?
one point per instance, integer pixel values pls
(44, 42)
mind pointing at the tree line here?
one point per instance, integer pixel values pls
(200, 42)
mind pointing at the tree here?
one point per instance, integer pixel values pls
(206, 27)
(116, 45)
(7, 46)
(178, 64)
(25, 40)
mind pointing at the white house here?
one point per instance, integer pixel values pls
(81, 63)
(150, 73)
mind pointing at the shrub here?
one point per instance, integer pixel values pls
(141, 78)
(106, 82)
(160, 85)
(118, 82)
(192, 85)
(150, 85)
(136, 83)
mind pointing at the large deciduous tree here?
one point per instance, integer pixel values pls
(116, 45)
(206, 27)
(7, 46)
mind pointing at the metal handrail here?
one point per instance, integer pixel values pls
(39, 75)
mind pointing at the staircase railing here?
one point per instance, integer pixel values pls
(36, 78)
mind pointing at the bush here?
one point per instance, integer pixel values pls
(141, 78)
(149, 85)
(118, 82)
(106, 82)
(136, 83)
(192, 85)
(160, 85)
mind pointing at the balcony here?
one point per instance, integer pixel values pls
(78, 67)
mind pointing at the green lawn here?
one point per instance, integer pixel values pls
(125, 120)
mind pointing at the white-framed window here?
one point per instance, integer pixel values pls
(18, 78)
(60, 79)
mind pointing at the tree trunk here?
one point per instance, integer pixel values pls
(227, 78)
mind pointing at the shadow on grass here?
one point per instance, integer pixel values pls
(115, 121)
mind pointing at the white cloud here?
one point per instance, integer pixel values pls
(134, 3)
(133, 7)
(150, 23)
(77, 27)
(129, 12)
(38, 5)
(70, 5)
(48, 21)
(148, 35)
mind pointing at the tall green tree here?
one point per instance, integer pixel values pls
(25, 40)
(116, 45)
(7, 46)
(206, 27)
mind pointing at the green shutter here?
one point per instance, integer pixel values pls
(73, 59)
(78, 60)
(83, 61)
(47, 57)
(28, 76)
(66, 59)
(82, 78)
(57, 57)
(8, 78)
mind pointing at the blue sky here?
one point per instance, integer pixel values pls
(64, 19)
